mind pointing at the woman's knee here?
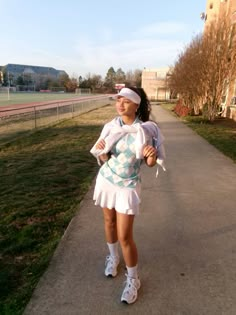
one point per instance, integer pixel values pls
(110, 219)
(110, 223)
(125, 239)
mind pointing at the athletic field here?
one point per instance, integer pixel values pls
(30, 97)
(28, 113)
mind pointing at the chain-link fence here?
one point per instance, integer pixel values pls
(16, 122)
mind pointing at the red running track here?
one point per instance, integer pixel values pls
(23, 108)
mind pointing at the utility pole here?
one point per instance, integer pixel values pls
(8, 94)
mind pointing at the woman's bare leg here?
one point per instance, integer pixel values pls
(110, 224)
(112, 261)
(125, 237)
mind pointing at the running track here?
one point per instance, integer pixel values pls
(23, 108)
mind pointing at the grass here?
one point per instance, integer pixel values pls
(25, 98)
(221, 133)
(44, 176)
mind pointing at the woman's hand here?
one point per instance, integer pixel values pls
(100, 146)
(150, 155)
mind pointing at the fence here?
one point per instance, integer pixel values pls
(16, 122)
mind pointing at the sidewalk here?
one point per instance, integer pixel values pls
(185, 234)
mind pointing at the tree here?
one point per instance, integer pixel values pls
(120, 76)
(19, 80)
(186, 78)
(63, 80)
(71, 85)
(93, 82)
(138, 77)
(80, 80)
(96, 82)
(219, 62)
(204, 69)
(110, 79)
(133, 78)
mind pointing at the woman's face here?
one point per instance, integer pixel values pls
(125, 107)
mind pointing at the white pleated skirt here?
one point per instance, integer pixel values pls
(122, 199)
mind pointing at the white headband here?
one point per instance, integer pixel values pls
(130, 95)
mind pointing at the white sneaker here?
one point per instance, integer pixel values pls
(111, 265)
(130, 292)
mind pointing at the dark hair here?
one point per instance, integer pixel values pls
(144, 109)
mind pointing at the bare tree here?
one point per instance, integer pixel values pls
(219, 62)
(186, 76)
(134, 77)
(204, 68)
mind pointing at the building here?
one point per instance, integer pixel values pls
(154, 82)
(214, 10)
(29, 73)
(1, 75)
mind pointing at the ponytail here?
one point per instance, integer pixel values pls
(144, 108)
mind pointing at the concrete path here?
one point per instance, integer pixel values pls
(185, 234)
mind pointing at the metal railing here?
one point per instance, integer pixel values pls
(17, 122)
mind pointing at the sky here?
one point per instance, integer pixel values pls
(86, 37)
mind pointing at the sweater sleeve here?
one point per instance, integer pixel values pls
(152, 129)
(104, 133)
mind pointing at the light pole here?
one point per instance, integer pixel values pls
(8, 78)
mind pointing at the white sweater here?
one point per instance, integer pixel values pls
(113, 131)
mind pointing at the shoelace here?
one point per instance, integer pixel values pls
(129, 282)
(110, 260)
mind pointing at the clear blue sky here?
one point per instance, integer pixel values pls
(90, 36)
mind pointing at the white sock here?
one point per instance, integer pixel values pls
(113, 249)
(132, 272)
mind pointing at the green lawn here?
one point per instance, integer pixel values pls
(44, 176)
(25, 98)
(221, 133)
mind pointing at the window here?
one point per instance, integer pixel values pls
(211, 6)
(233, 101)
(233, 17)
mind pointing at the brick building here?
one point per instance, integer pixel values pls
(214, 10)
(154, 83)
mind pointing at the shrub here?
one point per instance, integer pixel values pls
(182, 110)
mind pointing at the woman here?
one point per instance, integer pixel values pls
(123, 144)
